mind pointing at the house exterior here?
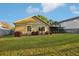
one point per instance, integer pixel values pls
(5, 28)
(31, 24)
(70, 25)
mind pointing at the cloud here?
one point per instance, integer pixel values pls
(74, 10)
(47, 7)
(31, 10)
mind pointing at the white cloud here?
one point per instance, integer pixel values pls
(47, 7)
(74, 10)
(32, 10)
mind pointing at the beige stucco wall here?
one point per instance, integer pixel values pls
(21, 28)
(35, 26)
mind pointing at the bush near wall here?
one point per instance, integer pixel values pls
(17, 34)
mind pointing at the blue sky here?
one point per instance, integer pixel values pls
(10, 12)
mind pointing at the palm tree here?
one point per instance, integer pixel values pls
(55, 23)
(51, 22)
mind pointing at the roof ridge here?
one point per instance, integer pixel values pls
(73, 18)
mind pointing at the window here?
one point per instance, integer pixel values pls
(28, 28)
(41, 28)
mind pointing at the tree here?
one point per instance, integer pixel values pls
(50, 22)
(56, 23)
(43, 18)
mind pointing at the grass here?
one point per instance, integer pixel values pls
(41, 45)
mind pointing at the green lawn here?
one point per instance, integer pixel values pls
(48, 45)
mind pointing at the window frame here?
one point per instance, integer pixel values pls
(29, 28)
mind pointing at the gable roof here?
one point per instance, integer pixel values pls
(4, 25)
(32, 17)
(69, 19)
(41, 20)
(22, 20)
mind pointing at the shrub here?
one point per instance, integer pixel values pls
(17, 34)
(46, 32)
(35, 33)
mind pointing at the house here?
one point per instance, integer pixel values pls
(5, 28)
(70, 25)
(32, 24)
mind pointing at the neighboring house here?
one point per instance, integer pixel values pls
(5, 25)
(5, 28)
(70, 25)
(31, 24)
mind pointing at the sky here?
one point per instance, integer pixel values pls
(10, 12)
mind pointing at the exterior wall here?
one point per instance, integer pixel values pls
(72, 30)
(71, 26)
(4, 32)
(21, 28)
